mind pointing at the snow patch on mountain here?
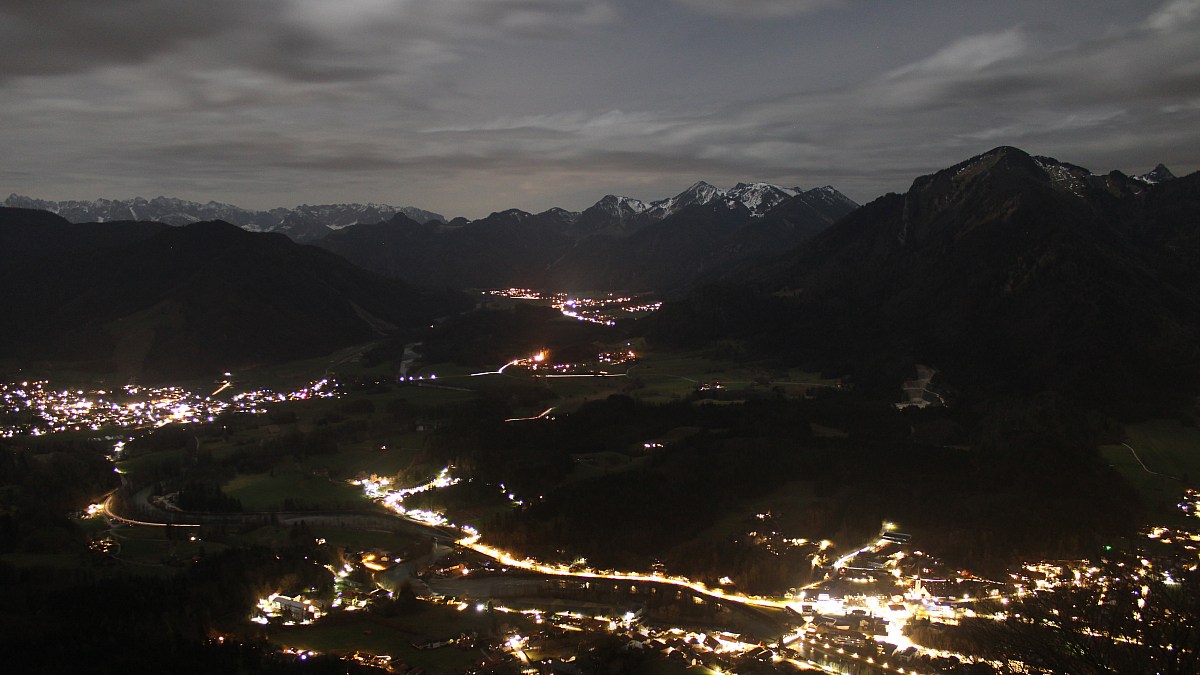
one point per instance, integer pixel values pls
(1159, 174)
(758, 197)
(621, 206)
(761, 197)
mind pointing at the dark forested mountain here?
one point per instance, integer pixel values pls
(146, 298)
(1005, 271)
(617, 243)
(303, 223)
(507, 248)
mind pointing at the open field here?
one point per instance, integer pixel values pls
(346, 363)
(277, 377)
(153, 463)
(352, 539)
(658, 377)
(358, 540)
(141, 549)
(443, 370)
(267, 492)
(783, 503)
(664, 376)
(150, 545)
(1167, 448)
(150, 463)
(50, 560)
(368, 457)
(449, 390)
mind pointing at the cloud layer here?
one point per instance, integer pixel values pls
(469, 106)
(759, 9)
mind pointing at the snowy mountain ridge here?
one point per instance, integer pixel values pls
(759, 198)
(302, 223)
(308, 223)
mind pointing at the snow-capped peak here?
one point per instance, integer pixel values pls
(701, 191)
(699, 194)
(512, 214)
(761, 197)
(617, 206)
(1159, 174)
(829, 195)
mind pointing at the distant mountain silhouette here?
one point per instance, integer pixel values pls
(510, 248)
(303, 223)
(618, 243)
(1007, 272)
(149, 299)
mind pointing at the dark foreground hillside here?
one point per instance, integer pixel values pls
(144, 298)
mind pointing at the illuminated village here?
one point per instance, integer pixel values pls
(852, 621)
(600, 309)
(37, 409)
(875, 606)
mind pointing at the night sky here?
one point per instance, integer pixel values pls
(470, 106)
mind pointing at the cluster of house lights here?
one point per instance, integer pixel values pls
(36, 408)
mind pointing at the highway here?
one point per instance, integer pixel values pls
(112, 517)
(472, 539)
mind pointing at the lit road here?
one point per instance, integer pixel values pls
(828, 657)
(113, 517)
(393, 499)
(472, 542)
(535, 417)
(498, 371)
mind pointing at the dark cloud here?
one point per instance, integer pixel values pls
(297, 39)
(38, 37)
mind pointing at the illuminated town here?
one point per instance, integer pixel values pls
(541, 365)
(604, 309)
(865, 607)
(36, 408)
(853, 618)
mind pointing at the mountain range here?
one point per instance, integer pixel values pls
(619, 243)
(1004, 272)
(303, 223)
(694, 234)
